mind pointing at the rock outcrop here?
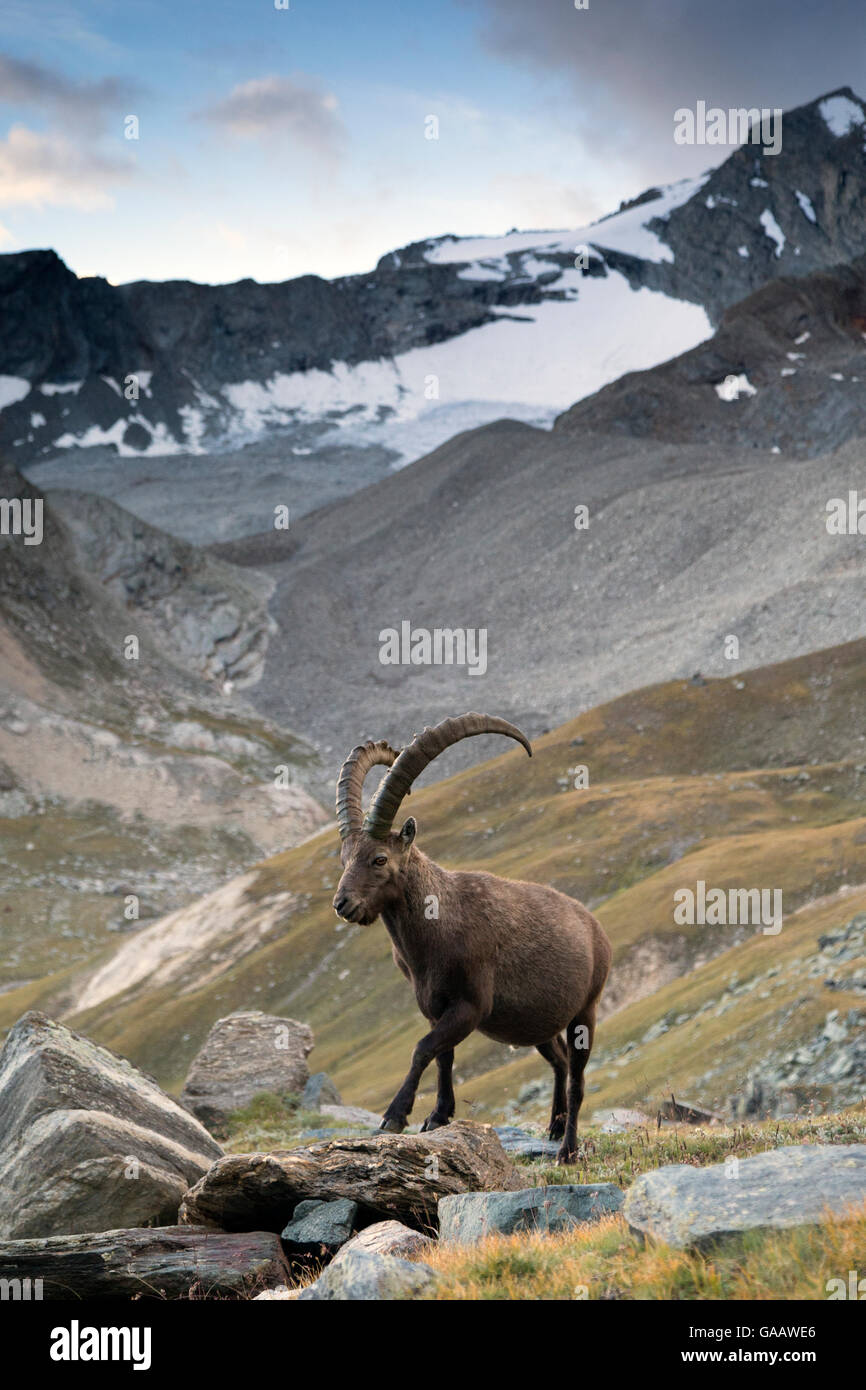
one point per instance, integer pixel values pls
(88, 1142)
(469, 1217)
(146, 1262)
(243, 1055)
(400, 1176)
(795, 1186)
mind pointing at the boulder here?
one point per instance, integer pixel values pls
(320, 1090)
(88, 1142)
(388, 1238)
(318, 1228)
(688, 1113)
(469, 1217)
(388, 1175)
(242, 1056)
(147, 1262)
(521, 1144)
(794, 1186)
(363, 1276)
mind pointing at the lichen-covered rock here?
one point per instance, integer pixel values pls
(363, 1276)
(467, 1218)
(794, 1186)
(388, 1175)
(243, 1055)
(88, 1142)
(319, 1227)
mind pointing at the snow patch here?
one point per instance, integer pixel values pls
(735, 386)
(841, 115)
(625, 232)
(773, 230)
(12, 389)
(529, 364)
(60, 388)
(805, 206)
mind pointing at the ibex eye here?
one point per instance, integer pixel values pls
(381, 859)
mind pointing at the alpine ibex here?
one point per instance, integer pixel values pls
(518, 961)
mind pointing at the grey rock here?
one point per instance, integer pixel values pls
(364, 1276)
(316, 1226)
(469, 1217)
(88, 1142)
(521, 1144)
(320, 1090)
(242, 1056)
(795, 1186)
(388, 1238)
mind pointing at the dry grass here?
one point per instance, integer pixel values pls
(605, 1261)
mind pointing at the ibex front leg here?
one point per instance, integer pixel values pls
(457, 1022)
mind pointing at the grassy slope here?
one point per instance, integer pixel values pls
(688, 781)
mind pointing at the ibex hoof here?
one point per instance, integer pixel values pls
(566, 1156)
(433, 1122)
(392, 1126)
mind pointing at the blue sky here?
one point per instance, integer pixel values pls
(279, 142)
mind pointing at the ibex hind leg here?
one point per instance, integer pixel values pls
(555, 1053)
(443, 1111)
(579, 1036)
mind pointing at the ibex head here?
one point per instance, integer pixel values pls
(374, 857)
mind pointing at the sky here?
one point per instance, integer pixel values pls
(218, 139)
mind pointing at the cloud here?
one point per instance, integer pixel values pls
(85, 105)
(268, 108)
(631, 63)
(38, 169)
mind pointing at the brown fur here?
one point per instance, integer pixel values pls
(519, 962)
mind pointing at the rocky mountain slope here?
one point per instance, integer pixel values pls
(706, 483)
(756, 780)
(444, 335)
(130, 776)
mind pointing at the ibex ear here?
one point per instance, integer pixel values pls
(407, 832)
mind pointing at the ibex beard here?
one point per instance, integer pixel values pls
(521, 963)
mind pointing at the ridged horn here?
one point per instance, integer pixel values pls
(350, 784)
(421, 751)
